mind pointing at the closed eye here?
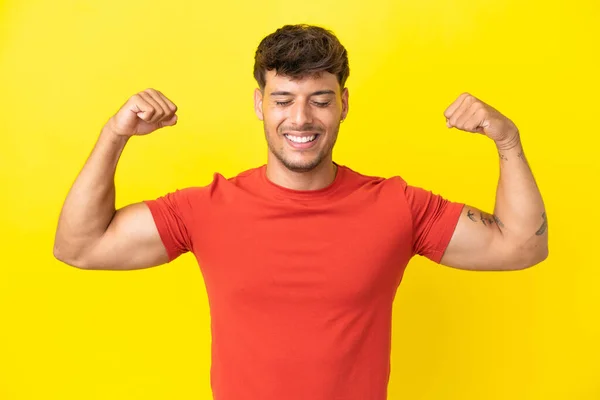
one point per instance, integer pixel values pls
(318, 104)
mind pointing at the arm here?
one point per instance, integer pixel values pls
(516, 235)
(91, 233)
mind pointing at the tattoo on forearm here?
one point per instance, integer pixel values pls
(521, 156)
(544, 226)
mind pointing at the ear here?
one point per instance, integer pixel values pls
(345, 104)
(258, 102)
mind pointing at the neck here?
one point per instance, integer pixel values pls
(315, 179)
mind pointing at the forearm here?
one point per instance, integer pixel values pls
(90, 204)
(519, 209)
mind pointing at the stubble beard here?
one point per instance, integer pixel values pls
(301, 166)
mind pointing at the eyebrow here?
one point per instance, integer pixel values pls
(317, 93)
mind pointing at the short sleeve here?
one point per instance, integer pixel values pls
(434, 221)
(173, 217)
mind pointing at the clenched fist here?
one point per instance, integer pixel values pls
(143, 113)
(470, 114)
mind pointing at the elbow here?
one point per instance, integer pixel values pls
(536, 259)
(67, 256)
(543, 255)
(537, 254)
(525, 259)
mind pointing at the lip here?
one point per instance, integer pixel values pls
(301, 134)
(302, 146)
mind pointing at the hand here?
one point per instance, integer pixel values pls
(143, 113)
(470, 114)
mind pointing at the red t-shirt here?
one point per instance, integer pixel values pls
(301, 283)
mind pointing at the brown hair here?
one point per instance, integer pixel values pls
(297, 51)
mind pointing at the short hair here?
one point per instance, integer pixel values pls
(298, 51)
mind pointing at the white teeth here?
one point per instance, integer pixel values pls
(298, 139)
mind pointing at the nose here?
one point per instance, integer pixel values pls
(300, 114)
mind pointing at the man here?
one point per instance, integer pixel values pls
(302, 256)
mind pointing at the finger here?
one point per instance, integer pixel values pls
(454, 106)
(467, 115)
(170, 122)
(475, 121)
(167, 113)
(462, 109)
(142, 108)
(158, 111)
(170, 104)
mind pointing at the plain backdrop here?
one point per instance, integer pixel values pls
(67, 66)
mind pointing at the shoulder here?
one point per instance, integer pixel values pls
(219, 182)
(222, 187)
(374, 182)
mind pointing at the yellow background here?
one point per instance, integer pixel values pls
(67, 66)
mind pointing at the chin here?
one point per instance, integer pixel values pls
(297, 161)
(301, 165)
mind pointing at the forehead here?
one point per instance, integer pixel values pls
(322, 81)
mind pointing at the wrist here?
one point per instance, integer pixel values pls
(511, 141)
(111, 136)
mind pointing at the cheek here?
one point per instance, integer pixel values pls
(331, 121)
(273, 119)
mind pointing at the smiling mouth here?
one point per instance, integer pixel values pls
(301, 139)
(302, 142)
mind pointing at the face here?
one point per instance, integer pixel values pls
(301, 118)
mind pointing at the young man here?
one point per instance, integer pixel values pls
(301, 257)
